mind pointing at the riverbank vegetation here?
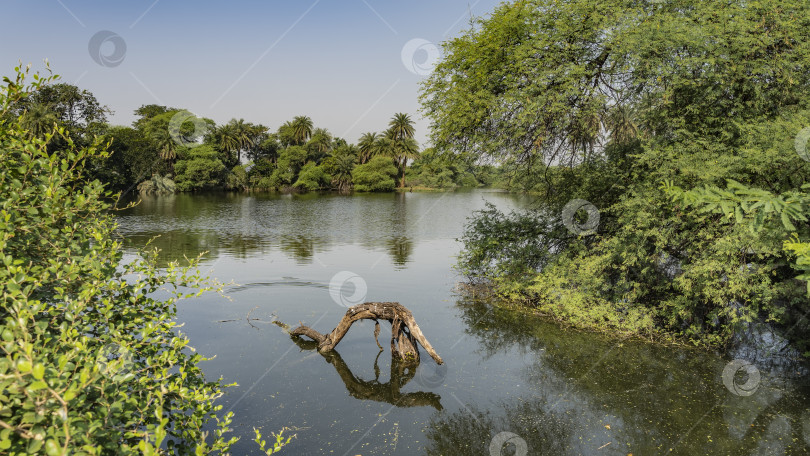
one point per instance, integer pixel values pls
(676, 131)
(92, 360)
(169, 149)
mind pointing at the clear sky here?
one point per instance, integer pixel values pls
(338, 61)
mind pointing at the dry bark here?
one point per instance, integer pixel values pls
(405, 333)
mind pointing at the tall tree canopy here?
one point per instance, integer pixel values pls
(613, 102)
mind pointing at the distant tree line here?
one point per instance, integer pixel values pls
(168, 149)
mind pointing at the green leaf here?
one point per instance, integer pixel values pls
(38, 371)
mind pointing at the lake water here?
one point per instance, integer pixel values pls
(507, 379)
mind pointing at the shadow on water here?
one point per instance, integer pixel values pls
(594, 395)
(374, 390)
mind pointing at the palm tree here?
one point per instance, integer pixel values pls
(401, 127)
(301, 129)
(158, 133)
(342, 175)
(404, 150)
(384, 146)
(621, 126)
(321, 141)
(226, 139)
(402, 145)
(39, 119)
(167, 147)
(367, 145)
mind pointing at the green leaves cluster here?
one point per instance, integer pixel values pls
(375, 176)
(620, 103)
(91, 361)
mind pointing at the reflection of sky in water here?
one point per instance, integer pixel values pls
(562, 391)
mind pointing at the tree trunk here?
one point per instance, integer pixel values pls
(405, 333)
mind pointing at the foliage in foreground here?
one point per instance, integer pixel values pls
(91, 361)
(647, 110)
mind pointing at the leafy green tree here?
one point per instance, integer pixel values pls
(199, 168)
(159, 129)
(77, 110)
(260, 172)
(435, 170)
(238, 178)
(605, 101)
(147, 112)
(286, 135)
(311, 178)
(290, 162)
(375, 176)
(91, 360)
(132, 158)
(267, 147)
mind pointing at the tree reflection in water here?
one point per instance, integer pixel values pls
(374, 390)
(593, 394)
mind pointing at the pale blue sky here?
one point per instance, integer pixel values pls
(338, 61)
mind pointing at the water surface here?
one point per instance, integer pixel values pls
(562, 392)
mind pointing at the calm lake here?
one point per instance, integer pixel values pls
(560, 391)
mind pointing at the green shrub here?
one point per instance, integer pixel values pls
(199, 168)
(237, 179)
(312, 177)
(375, 176)
(290, 162)
(91, 361)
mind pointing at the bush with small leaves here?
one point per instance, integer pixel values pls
(91, 360)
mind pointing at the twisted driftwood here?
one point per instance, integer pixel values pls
(405, 333)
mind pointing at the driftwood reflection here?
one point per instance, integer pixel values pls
(389, 392)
